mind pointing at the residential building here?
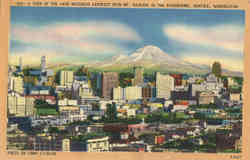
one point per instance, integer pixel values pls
(164, 85)
(98, 145)
(66, 145)
(148, 92)
(206, 97)
(177, 79)
(131, 112)
(211, 78)
(49, 99)
(194, 88)
(110, 80)
(67, 102)
(235, 97)
(238, 144)
(45, 144)
(40, 90)
(231, 81)
(85, 91)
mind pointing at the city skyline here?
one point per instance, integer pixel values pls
(204, 37)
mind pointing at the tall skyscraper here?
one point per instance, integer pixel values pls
(20, 64)
(139, 79)
(110, 80)
(16, 85)
(43, 64)
(66, 78)
(20, 106)
(164, 85)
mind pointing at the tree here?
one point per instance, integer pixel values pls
(53, 130)
(81, 71)
(111, 112)
(125, 79)
(95, 106)
(216, 69)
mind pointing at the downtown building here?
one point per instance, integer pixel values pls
(164, 85)
(16, 85)
(148, 92)
(128, 93)
(66, 78)
(110, 80)
(20, 106)
(119, 93)
(133, 93)
(139, 79)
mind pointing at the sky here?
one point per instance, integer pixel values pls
(79, 35)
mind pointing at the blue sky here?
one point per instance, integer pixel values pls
(82, 34)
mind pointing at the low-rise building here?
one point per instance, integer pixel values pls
(131, 112)
(67, 102)
(235, 97)
(98, 144)
(206, 97)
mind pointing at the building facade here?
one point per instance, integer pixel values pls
(98, 145)
(20, 106)
(119, 93)
(66, 78)
(133, 93)
(139, 79)
(110, 80)
(16, 85)
(164, 85)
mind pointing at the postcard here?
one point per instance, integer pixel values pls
(124, 79)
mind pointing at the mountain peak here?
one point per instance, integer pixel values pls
(151, 53)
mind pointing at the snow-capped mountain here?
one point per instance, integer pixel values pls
(154, 58)
(151, 56)
(151, 53)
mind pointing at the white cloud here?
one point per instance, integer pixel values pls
(228, 37)
(87, 37)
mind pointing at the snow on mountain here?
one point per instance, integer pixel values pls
(119, 58)
(153, 57)
(151, 53)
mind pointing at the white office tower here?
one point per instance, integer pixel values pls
(118, 93)
(20, 64)
(20, 106)
(16, 85)
(66, 78)
(164, 85)
(133, 93)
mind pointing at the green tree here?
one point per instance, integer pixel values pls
(125, 79)
(216, 69)
(53, 130)
(80, 71)
(57, 77)
(95, 106)
(111, 112)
